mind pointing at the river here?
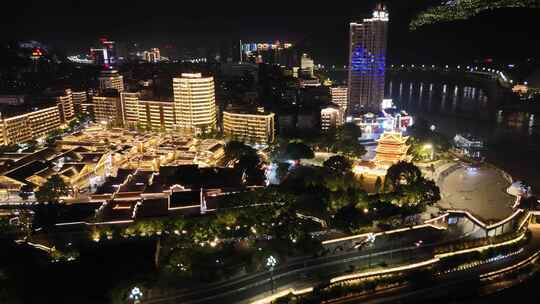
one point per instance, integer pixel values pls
(512, 139)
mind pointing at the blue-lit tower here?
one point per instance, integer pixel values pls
(367, 61)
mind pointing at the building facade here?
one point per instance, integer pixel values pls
(340, 96)
(80, 101)
(195, 103)
(111, 79)
(153, 55)
(108, 108)
(331, 117)
(255, 127)
(156, 115)
(391, 148)
(65, 106)
(24, 127)
(367, 62)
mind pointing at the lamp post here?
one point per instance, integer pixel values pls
(370, 241)
(271, 263)
(136, 295)
(430, 148)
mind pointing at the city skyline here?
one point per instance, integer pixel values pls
(476, 37)
(157, 152)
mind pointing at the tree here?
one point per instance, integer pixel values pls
(52, 190)
(250, 164)
(235, 149)
(282, 170)
(347, 140)
(53, 136)
(298, 150)
(378, 185)
(402, 173)
(25, 192)
(338, 164)
(465, 9)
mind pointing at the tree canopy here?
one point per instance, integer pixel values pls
(402, 173)
(52, 190)
(464, 9)
(338, 164)
(298, 150)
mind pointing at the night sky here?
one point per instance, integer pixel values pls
(320, 27)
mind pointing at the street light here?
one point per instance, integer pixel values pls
(370, 241)
(136, 294)
(271, 263)
(430, 148)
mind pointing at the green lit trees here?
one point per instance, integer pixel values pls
(465, 9)
(338, 165)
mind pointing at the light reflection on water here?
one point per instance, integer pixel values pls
(512, 138)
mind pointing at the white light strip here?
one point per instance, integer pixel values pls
(395, 269)
(481, 248)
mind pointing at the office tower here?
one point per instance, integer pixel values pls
(367, 60)
(331, 117)
(64, 100)
(253, 126)
(339, 96)
(194, 103)
(111, 79)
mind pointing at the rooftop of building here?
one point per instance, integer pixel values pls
(8, 111)
(246, 109)
(108, 93)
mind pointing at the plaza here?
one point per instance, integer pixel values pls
(479, 190)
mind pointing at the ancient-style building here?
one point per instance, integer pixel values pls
(391, 149)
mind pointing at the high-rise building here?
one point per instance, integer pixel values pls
(367, 61)
(331, 117)
(307, 66)
(105, 54)
(154, 115)
(64, 100)
(30, 125)
(80, 98)
(111, 79)
(153, 55)
(107, 107)
(251, 126)
(194, 103)
(340, 96)
(130, 105)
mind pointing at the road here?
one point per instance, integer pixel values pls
(394, 249)
(455, 285)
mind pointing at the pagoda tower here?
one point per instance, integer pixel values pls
(392, 147)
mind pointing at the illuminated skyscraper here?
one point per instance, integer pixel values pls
(195, 103)
(111, 79)
(367, 61)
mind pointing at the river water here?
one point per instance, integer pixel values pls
(512, 138)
